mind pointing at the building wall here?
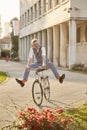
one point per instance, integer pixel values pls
(82, 42)
(6, 46)
(6, 29)
(50, 18)
(6, 43)
(81, 53)
(62, 29)
(79, 9)
(0, 35)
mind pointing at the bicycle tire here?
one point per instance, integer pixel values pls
(46, 88)
(37, 93)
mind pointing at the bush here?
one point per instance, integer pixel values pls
(3, 77)
(5, 53)
(16, 59)
(31, 119)
(78, 66)
(58, 119)
(85, 69)
(80, 116)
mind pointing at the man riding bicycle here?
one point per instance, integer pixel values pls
(39, 52)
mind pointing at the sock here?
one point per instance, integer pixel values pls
(58, 77)
(24, 81)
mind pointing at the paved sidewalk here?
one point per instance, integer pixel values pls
(69, 94)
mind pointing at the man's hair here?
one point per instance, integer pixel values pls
(33, 41)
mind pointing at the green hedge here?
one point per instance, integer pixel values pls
(2, 76)
(80, 116)
(5, 53)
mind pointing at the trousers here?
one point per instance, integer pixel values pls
(49, 65)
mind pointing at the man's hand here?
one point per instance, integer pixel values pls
(28, 63)
(28, 67)
(43, 65)
(44, 62)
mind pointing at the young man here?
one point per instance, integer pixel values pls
(41, 60)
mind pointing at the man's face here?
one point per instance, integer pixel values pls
(35, 45)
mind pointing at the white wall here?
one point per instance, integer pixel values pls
(51, 18)
(81, 53)
(79, 8)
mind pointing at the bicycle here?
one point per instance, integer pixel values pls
(40, 87)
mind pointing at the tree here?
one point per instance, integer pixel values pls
(14, 39)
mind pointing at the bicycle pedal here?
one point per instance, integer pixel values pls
(42, 77)
(47, 88)
(46, 77)
(38, 97)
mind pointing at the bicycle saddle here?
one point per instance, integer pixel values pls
(39, 69)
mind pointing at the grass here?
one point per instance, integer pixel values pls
(3, 77)
(79, 71)
(80, 116)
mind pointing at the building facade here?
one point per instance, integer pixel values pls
(6, 43)
(6, 29)
(60, 25)
(0, 35)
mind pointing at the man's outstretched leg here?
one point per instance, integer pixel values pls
(20, 82)
(25, 77)
(26, 74)
(61, 78)
(55, 72)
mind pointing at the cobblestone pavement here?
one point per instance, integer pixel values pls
(69, 94)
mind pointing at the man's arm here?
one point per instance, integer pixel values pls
(44, 57)
(28, 62)
(30, 58)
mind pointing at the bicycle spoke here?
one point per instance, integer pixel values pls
(46, 89)
(37, 93)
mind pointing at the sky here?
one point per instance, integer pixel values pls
(9, 9)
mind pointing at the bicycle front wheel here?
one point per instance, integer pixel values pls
(37, 93)
(46, 89)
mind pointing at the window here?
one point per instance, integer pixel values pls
(86, 33)
(25, 18)
(63, 0)
(39, 3)
(56, 2)
(8, 46)
(44, 6)
(28, 16)
(20, 21)
(35, 10)
(31, 13)
(49, 4)
(78, 34)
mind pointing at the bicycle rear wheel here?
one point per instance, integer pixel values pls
(37, 93)
(46, 89)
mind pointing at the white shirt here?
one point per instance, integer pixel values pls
(31, 54)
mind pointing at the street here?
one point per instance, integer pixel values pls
(69, 94)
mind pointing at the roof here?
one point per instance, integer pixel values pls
(6, 40)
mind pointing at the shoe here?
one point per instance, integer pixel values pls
(20, 82)
(61, 78)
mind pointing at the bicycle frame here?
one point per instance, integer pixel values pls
(42, 83)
